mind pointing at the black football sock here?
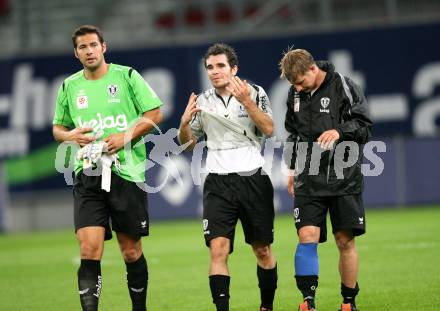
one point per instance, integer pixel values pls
(219, 285)
(137, 281)
(267, 282)
(349, 294)
(89, 284)
(307, 284)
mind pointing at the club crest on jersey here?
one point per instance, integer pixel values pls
(82, 102)
(325, 101)
(112, 89)
(242, 113)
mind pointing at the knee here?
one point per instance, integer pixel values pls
(219, 251)
(130, 247)
(131, 254)
(309, 234)
(345, 244)
(90, 250)
(263, 253)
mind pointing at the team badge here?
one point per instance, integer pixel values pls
(242, 112)
(82, 102)
(325, 101)
(296, 215)
(112, 89)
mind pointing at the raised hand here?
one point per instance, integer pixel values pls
(190, 110)
(240, 90)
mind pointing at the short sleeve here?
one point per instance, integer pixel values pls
(62, 112)
(144, 97)
(264, 102)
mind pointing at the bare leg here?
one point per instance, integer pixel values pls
(91, 242)
(219, 251)
(348, 258)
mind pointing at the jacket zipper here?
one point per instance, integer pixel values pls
(309, 97)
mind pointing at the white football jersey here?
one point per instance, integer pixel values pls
(228, 150)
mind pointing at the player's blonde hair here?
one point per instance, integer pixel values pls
(295, 62)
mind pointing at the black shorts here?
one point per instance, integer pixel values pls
(123, 209)
(346, 213)
(227, 198)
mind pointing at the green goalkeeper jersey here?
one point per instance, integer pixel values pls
(109, 105)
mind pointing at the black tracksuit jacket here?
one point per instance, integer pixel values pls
(337, 104)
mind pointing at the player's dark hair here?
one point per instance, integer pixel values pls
(222, 48)
(86, 29)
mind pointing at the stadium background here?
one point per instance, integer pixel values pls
(390, 47)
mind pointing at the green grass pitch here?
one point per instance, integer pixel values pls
(399, 256)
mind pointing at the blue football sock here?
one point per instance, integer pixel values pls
(306, 259)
